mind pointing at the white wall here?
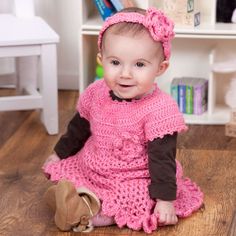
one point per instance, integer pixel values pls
(62, 16)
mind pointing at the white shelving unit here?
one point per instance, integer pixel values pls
(194, 51)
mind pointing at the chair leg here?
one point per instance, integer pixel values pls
(26, 72)
(48, 88)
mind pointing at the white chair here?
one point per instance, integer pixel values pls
(26, 37)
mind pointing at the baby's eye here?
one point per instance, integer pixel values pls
(115, 62)
(140, 64)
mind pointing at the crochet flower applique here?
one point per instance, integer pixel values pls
(128, 147)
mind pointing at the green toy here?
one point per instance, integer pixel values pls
(99, 71)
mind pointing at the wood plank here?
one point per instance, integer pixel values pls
(22, 183)
(67, 100)
(206, 137)
(10, 122)
(232, 229)
(214, 171)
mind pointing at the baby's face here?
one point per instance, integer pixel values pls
(131, 64)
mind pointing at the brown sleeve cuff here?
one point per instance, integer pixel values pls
(165, 191)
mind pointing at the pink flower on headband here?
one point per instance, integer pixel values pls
(160, 27)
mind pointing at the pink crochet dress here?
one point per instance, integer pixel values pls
(114, 162)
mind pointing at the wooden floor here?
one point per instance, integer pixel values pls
(207, 156)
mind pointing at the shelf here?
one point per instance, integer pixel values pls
(219, 30)
(220, 116)
(224, 67)
(93, 23)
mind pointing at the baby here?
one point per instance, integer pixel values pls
(121, 143)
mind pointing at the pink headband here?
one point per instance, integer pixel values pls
(160, 27)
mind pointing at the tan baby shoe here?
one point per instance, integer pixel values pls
(73, 209)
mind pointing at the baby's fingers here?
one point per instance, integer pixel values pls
(171, 220)
(165, 219)
(162, 219)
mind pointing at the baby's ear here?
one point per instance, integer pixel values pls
(99, 59)
(162, 67)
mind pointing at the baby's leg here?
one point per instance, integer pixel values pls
(102, 220)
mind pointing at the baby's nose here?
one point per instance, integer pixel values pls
(126, 72)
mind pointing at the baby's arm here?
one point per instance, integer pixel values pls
(162, 168)
(78, 131)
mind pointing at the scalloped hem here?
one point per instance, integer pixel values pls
(190, 200)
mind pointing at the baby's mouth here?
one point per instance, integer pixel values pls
(125, 85)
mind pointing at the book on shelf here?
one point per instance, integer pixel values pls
(200, 96)
(182, 95)
(117, 4)
(174, 89)
(105, 8)
(190, 94)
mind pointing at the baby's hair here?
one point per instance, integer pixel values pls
(124, 28)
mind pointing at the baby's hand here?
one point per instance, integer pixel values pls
(166, 212)
(51, 158)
